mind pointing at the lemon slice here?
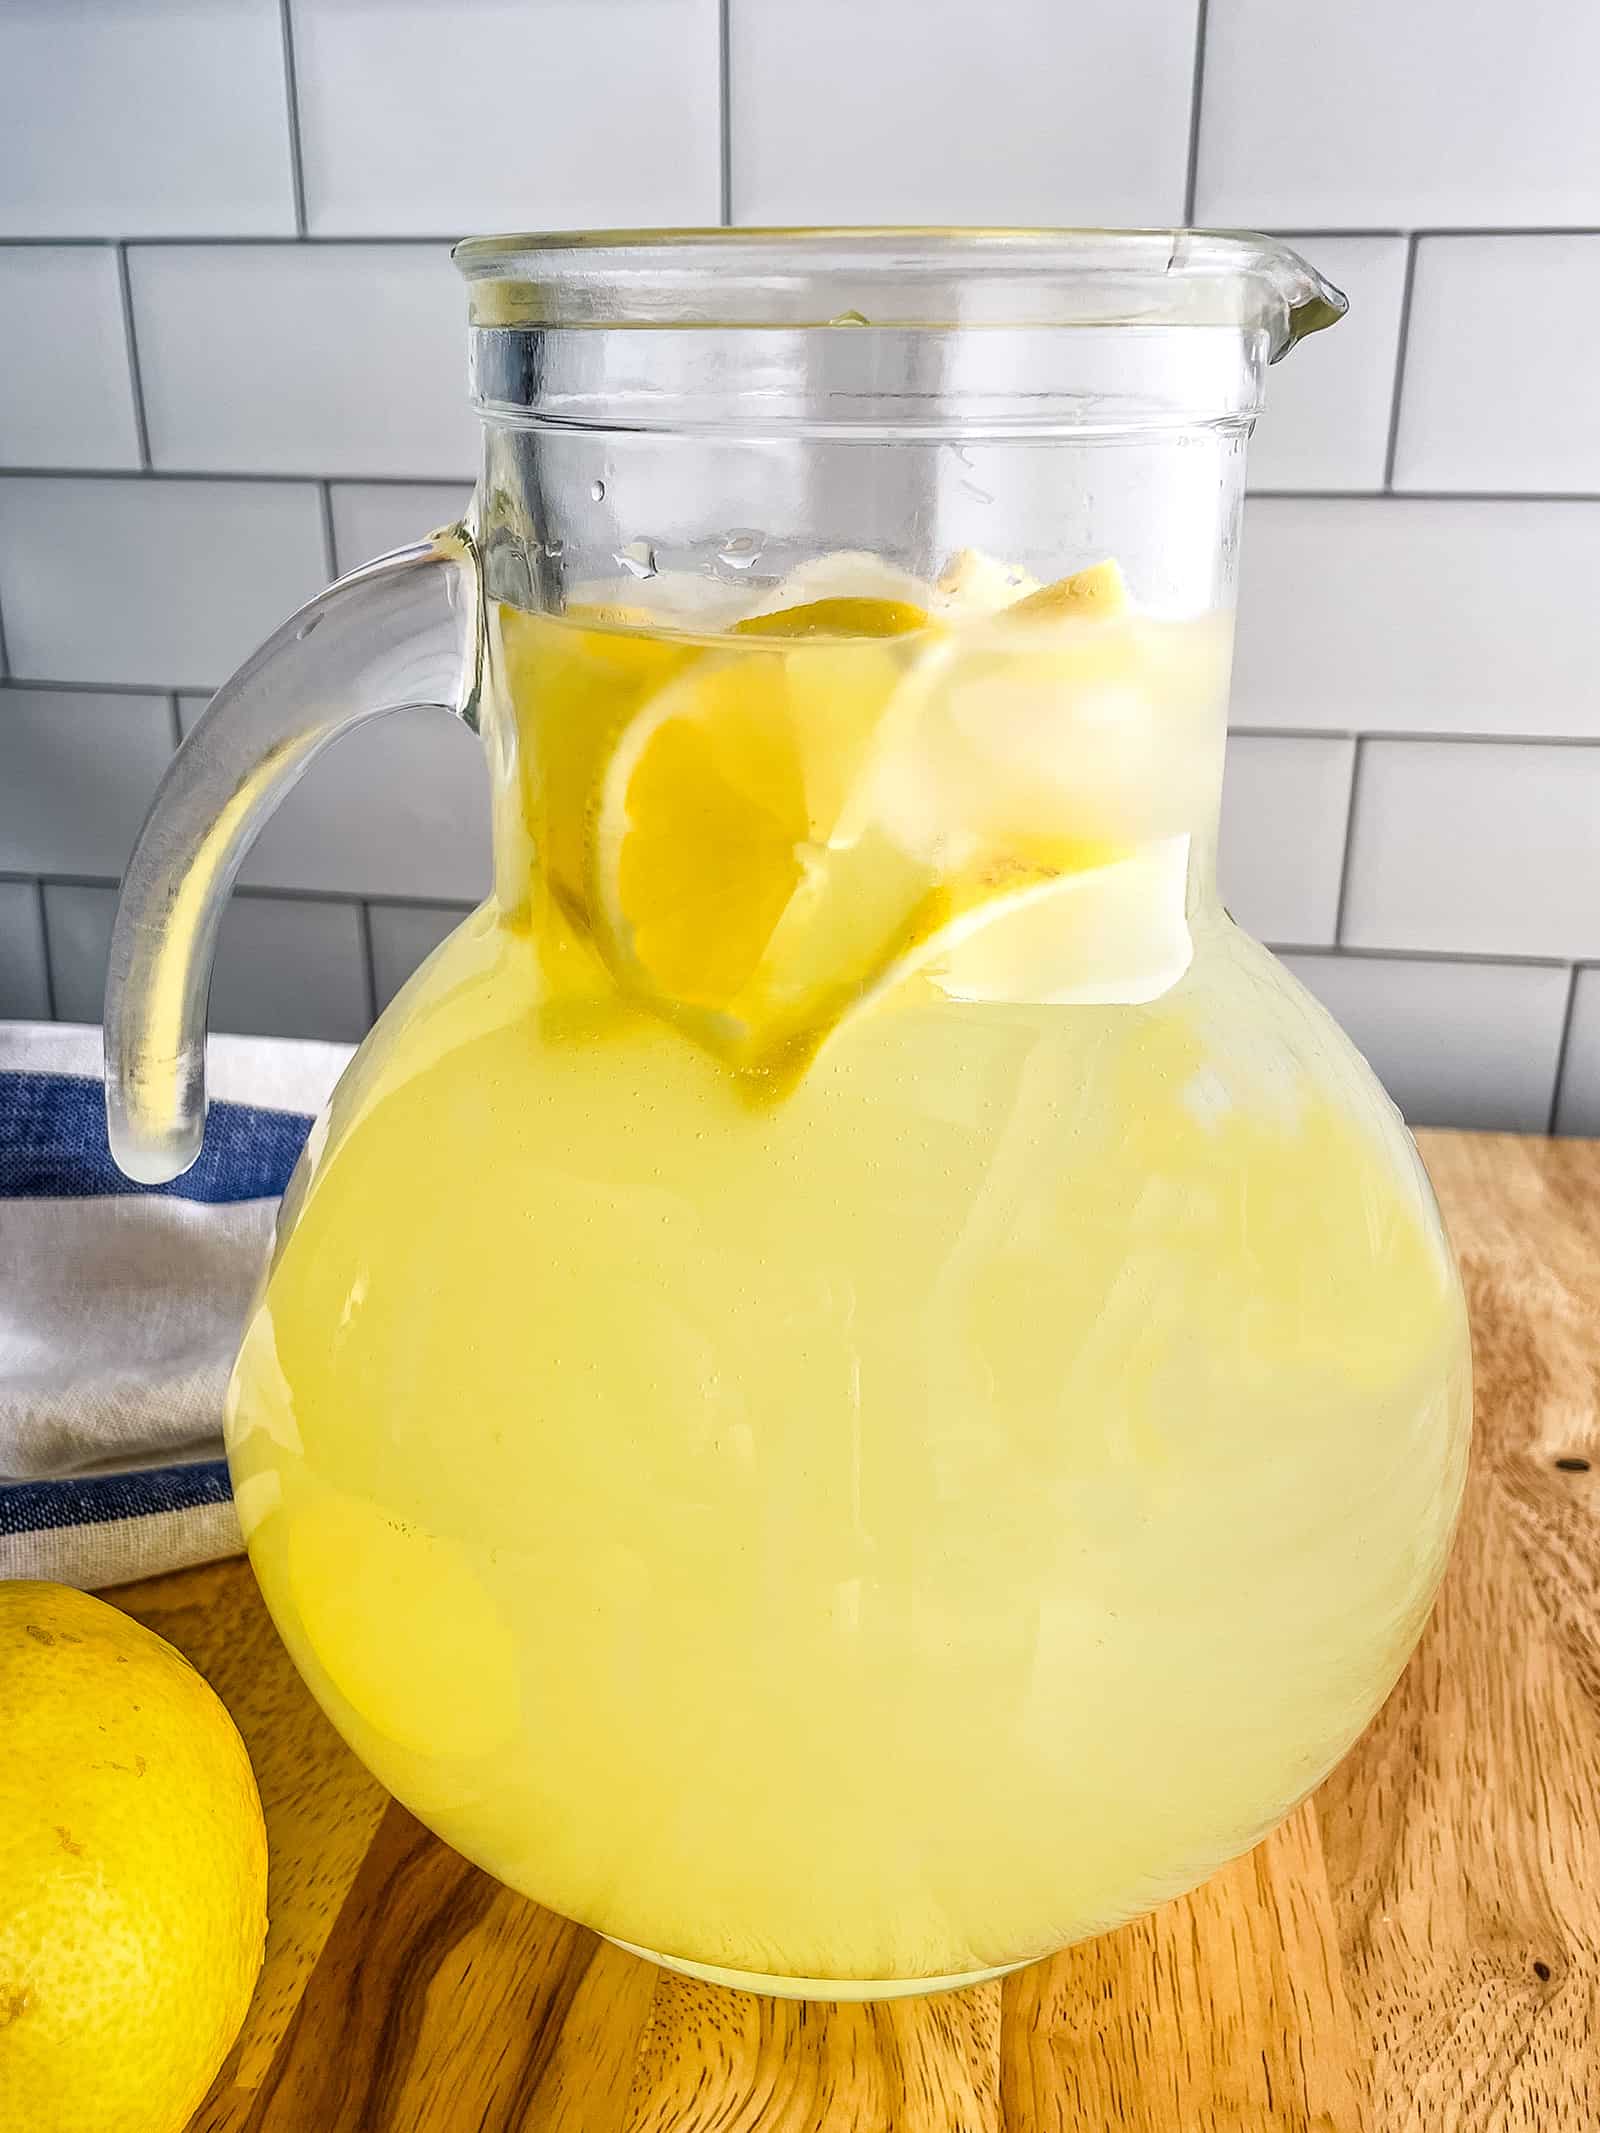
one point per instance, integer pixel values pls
(1112, 934)
(839, 617)
(762, 834)
(702, 824)
(845, 574)
(718, 891)
(575, 681)
(1099, 593)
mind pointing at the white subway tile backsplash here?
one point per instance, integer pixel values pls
(1326, 420)
(1500, 372)
(141, 118)
(404, 935)
(507, 114)
(24, 987)
(162, 583)
(78, 933)
(1485, 848)
(1455, 1044)
(1284, 808)
(77, 773)
(1374, 115)
(362, 371)
(372, 518)
(928, 111)
(1376, 615)
(399, 807)
(1578, 1107)
(66, 392)
(1459, 608)
(285, 967)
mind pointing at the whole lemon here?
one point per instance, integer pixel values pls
(133, 1872)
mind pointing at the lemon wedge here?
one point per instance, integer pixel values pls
(1099, 593)
(841, 616)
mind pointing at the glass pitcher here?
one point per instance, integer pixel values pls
(854, 1385)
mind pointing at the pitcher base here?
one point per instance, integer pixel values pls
(817, 1988)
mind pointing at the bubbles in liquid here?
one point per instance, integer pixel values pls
(638, 559)
(597, 489)
(740, 550)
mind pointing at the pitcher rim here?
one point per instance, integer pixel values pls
(790, 276)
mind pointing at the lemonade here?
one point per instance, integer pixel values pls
(856, 1386)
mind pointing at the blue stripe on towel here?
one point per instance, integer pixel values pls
(98, 1499)
(53, 1146)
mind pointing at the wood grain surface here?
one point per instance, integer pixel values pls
(1416, 1951)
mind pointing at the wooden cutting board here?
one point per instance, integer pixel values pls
(1416, 1951)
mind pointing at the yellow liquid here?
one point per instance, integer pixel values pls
(872, 1536)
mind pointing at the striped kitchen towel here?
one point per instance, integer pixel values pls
(121, 1304)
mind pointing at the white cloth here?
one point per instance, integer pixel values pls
(120, 1309)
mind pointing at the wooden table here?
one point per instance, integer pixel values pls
(1416, 1951)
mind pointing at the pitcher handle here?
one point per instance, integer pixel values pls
(399, 632)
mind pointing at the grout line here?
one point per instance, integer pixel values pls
(1245, 732)
(290, 239)
(1428, 496)
(5, 657)
(135, 375)
(1349, 846)
(67, 881)
(1476, 958)
(422, 903)
(725, 107)
(371, 481)
(369, 963)
(49, 952)
(1402, 345)
(1526, 229)
(1562, 1044)
(1489, 740)
(49, 960)
(1191, 177)
(1407, 733)
(112, 688)
(291, 98)
(464, 480)
(330, 555)
(1314, 233)
(177, 722)
(440, 236)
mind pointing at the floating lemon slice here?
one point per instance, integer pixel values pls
(576, 681)
(715, 890)
(783, 830)
(1111, 934)
(838, 617)
(761, 833)
(1098, 594)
